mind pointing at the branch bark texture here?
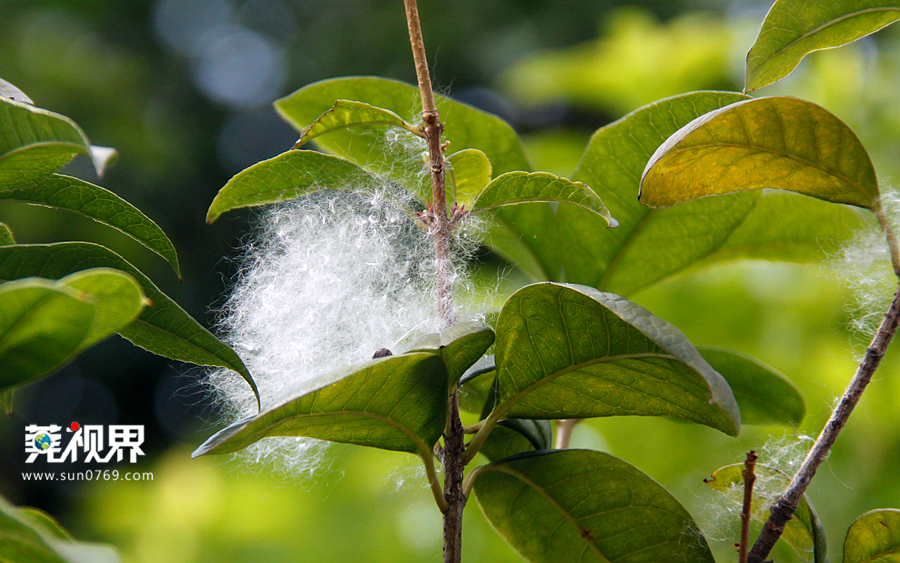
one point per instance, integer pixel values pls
(453, 452)
(786, 505)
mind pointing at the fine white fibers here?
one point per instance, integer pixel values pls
(865, 267)
(722, 514)
(330, 279)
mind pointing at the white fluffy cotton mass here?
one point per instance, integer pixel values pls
(328, 280)
(865, 267)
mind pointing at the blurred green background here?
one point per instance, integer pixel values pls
(182, 88)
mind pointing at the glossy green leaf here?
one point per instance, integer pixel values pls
(515, 436)
(102, 205)
(764, 395)
(42, 325)
(289, 175)
(347, 113)
(116, 296)
(464, 126)
(470, 171)
(794, 28)
(804, 532)
(566, 351)
(45, 323)
(30, 536)
(460, 346)
(35, 142)
(6, 235)
(586, 506)
(781, 143)
(650, 245)
(163, 328)
(523, 187)
(394, 403)
(475, 385)
(874, 538)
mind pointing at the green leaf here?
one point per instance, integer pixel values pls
(47, 521)
(795, 28)
(780, 143)
(459, 345)
(102, 205)
(764, 395)
(517, 435)
(464, 126)
(566, 351)
(42, 325)
(522, 187)
(874, 538)
(650, 245)
(116, 296)
(470, 171)
(804, 532)
(347, 113)
(6, 235)
(35, 142)
(393, 403)
(289, 175)
(475, 385)
(587, 506)
(28, 535)
(163, 328)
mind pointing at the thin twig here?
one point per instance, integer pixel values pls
(454, 438)
(749, 475)
(441, 227)
(784, 508)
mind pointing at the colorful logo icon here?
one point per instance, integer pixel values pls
(42, 441)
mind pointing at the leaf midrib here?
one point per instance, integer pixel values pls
(789, 156)
(570, 368)
(419, 444)
(540, 490)
(825, 26)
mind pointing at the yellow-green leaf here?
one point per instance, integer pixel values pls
(524, 187)
(347, 113)
(35, 142)
(874, 538)
(101, 205)
(289, 175)
(567, 351)
(470, 172)
(804, 532)
(393, 403)
(794, 28)
(781, 143)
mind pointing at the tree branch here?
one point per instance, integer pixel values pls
(452, 454)
(784, 507)
(749, 475)
(440, 224)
